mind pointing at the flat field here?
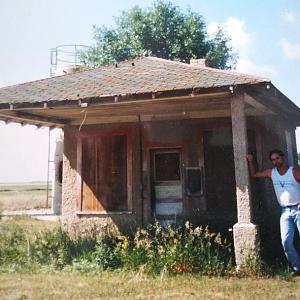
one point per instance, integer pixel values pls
(19, 196)
(127, 285)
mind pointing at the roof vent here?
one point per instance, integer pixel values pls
(199, 62)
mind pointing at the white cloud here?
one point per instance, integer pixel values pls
(290, 50)
(240, 38)
(212, 28)
(290, 17)
(247, 66)
(241, 42)
(236, 30)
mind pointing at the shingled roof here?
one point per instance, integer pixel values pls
(138, 76)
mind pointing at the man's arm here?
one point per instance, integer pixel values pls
(253, 172)
(296, 173)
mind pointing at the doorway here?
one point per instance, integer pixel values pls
(219, 171)
(166, 186)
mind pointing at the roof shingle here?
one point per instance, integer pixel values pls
(141, 75)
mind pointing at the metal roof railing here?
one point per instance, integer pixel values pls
(66, 55)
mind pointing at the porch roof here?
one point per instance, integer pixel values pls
(144, 78)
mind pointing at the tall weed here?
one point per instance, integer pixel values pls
(177, 250)
(14, 244)
(185, 249)
(51, 248)
(107, 254)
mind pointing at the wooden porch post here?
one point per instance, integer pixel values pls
(246, 239)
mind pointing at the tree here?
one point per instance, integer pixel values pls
(163, 31)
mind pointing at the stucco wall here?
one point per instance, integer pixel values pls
(185, 134)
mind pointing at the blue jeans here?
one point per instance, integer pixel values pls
(289, 222)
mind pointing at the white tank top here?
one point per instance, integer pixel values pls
(286, 187)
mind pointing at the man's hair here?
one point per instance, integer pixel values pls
(276, 151)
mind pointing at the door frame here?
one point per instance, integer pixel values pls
(153, 182)
(146, 175)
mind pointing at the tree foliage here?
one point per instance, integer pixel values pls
(164, 31)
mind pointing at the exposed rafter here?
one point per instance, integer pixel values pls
(29, 118)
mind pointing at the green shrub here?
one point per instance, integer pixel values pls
(51, 248)
(107, 254)
(155, 249)
(254, 266)
(177, 250)
(14, 246)
(83, 248)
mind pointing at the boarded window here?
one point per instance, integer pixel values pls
(104, 173)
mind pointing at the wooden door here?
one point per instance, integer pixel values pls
(166, 202)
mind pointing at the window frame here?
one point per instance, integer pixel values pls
(167, 151)
(100, 133)
(201, 181)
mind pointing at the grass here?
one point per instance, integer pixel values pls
(45, 283)
(31, 226)
(129, 285)
(23, 196)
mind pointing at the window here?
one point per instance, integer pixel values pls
(194, 181)
(167, 166)
(104, 173)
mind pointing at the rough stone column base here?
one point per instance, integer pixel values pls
(246, 242)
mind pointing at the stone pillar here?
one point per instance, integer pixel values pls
(57, 176)
(245, 233)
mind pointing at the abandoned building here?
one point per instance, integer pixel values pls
(152, 138)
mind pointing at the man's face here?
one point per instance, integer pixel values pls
(277, 160)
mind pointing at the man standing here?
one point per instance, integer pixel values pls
(286, 182)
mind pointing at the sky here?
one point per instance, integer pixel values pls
(265, 34)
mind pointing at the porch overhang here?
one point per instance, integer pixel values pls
(160, 105)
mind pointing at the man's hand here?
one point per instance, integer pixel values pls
(299, 206)
(249, 157)
(253, 172)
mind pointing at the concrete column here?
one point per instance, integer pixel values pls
(289, 147)
(246, 239)
(57, 176)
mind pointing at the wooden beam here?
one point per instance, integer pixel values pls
(258, 105)
(102, 120)
(29, 118)
(139, 108)
(201, 114)
(152, 117)
(198, 106)
(122, 100)
(251, 111)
